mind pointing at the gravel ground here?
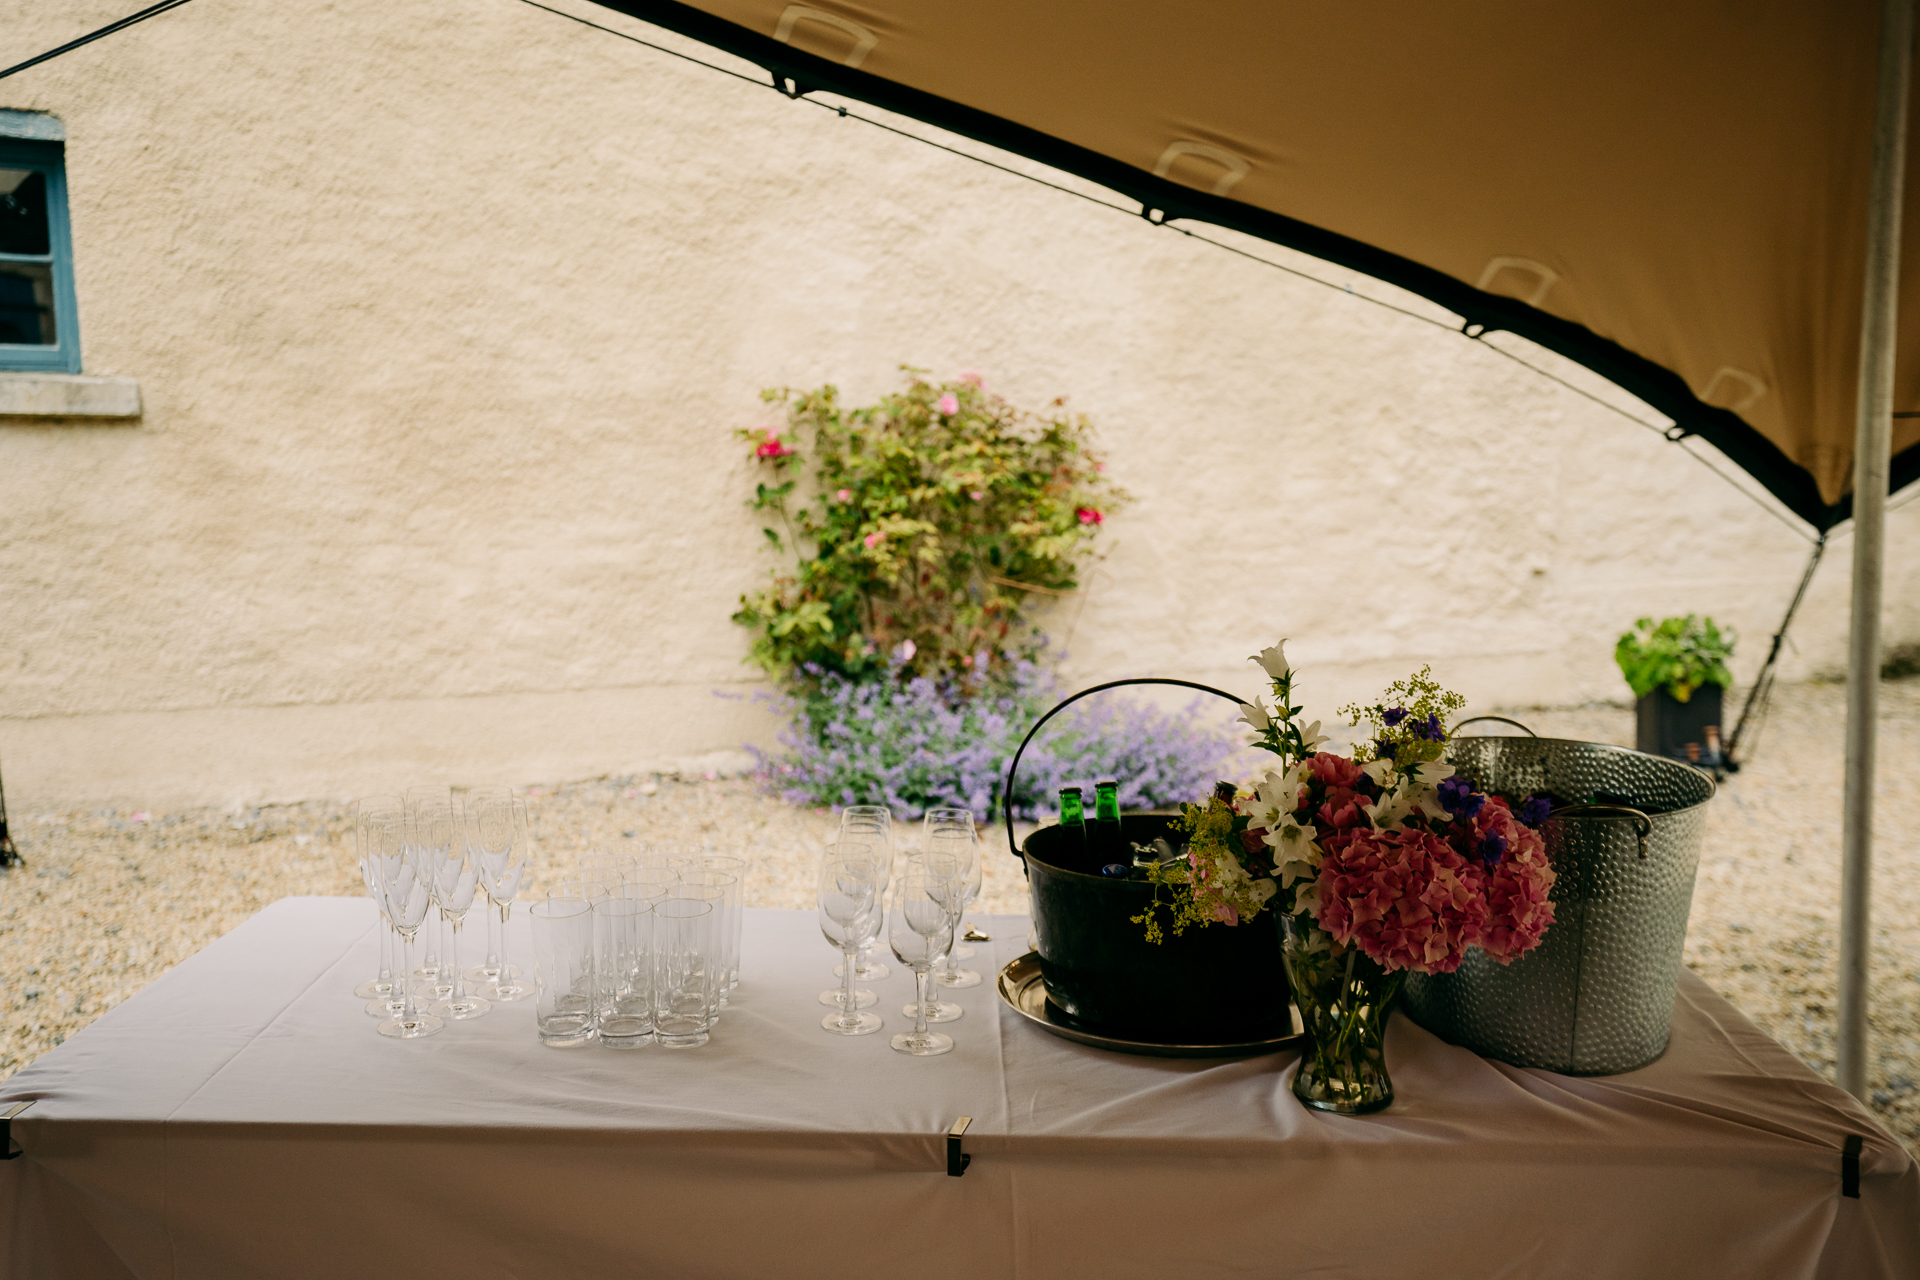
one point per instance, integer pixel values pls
(108, 901)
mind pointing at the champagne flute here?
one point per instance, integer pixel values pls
(963, 844)
(919, 931)
(502, 836)
(848, 906)
(417, 797)
(870, 824)
(944, 820)
(469, 804)
(456, 878)
(407, 885)
(382, 1000)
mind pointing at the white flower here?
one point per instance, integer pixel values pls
(1274, 660)
(1311, 737)
(1423, 782)
(1264, 889)
(1255, 714)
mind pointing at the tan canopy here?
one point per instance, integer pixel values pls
(1671, 193)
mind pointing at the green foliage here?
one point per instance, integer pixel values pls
(918, 536)
(1679, 653)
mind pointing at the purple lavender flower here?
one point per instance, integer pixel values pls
(1457, 796)
(1393, 716)
(1535, 810)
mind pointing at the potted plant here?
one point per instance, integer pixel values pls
(1678, 670)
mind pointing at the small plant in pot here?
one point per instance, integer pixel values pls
(1678, 671)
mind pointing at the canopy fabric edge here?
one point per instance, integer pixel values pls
(1481, 312)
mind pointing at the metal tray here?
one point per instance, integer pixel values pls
(1026, 995)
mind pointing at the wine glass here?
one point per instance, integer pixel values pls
(456, 878)
(919, 929)
(382, 1001)
(963, 844)
(946, 820)
(499, 833)
(870, 824)
(849, 877)
(406, 884)
(946, 875)
(848, 848)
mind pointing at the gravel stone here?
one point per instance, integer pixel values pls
(109, 900)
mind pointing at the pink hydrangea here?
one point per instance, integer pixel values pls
(1517, 883)
(1406, 898)
(1337, 780)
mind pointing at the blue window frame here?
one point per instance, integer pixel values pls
(39, 322)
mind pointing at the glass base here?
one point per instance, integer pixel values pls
(567, 1032)
(626, 1031)
(871, 971)
(427, 971)
(691, 1041)
(506, 994)
(860, 1024)
(957, 978)
(386, 1007)
(375, 987)
(460, 1010)
(923, 1046)
(421, 1024)
(964, 952)
(940, 1011)
(488, 973)
(432, 989)
(861, 999)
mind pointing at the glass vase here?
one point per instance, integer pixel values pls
(1344, 1001)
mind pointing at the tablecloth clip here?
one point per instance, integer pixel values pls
(957, 1160)
(1850, 1166)
(7, 1150)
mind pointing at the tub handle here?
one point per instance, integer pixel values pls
(1502, 719)
(1006, 796)
(1642, 824)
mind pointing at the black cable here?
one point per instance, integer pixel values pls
(1762, 691)
(151, 11)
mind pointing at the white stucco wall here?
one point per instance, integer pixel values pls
(443, 316)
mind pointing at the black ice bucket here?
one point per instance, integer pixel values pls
(1216, 984)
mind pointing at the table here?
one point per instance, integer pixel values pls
(241, 1118)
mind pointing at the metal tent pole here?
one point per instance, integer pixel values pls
(1873, 434)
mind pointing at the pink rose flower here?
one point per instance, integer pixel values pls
(949, 404)
(978, 495)
(1089, 516)
(873, 539)
(845, 495)
(772, 448)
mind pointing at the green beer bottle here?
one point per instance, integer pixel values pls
(1106, 823)
(1073, 816)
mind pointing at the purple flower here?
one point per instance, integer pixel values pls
(1385, 749)
(1457, 796)
(1493, 847)
(1393, 716)
(1535, 810)
(1429, 729)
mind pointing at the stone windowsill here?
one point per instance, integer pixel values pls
(67, 395)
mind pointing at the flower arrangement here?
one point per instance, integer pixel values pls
(1385, 850)
(1380, 863)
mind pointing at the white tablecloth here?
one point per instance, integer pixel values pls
(241, 1118)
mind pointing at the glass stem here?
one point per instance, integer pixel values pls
(506, 908)
(459, 978)
(493, 945)
(386, 948)
(848, 1013)
(407, 1012)
(922, 976)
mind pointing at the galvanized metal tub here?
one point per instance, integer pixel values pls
(1596, 996)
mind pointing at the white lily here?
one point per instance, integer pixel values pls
(1273, 660)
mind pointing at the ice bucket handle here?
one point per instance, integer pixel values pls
(1642, 824)
(1502, 719)
(1006, 796)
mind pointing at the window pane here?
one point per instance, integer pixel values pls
(23, 211)
(26, 304)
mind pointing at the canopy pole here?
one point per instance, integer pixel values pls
(1873, 435)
